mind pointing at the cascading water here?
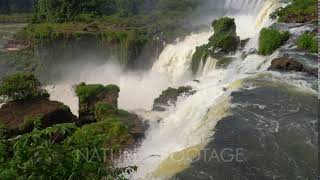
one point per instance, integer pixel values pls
(188, 125)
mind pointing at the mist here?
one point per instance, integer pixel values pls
(137, 89)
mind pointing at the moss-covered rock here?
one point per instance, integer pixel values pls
(271, 39)
(109, 133)
(224, 41)
(136, 127)
(170, 96)
(92, 94)
(99, 103)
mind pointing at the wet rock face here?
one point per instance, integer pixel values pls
(272, 135)
(170, 96)
(285, 64)
(19, 117)
(291, 64)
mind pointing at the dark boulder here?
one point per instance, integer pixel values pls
(285, 64)
(171, 96)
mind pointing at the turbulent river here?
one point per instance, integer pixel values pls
(243, 106)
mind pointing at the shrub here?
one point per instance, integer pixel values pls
(270, 40)
(224, 25)
(21, 86)
(308, 42)
(109, 133)
(103, 110)
(37, 155)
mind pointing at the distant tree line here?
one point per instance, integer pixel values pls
(16, 6)
(68, 10)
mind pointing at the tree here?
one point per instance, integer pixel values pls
(21, 86)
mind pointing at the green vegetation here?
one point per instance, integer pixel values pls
(87, 92)
(15, 18)
(29, 123)
(110, 133)
(300, 11)
(66, 152)
(117, 29)
(21, 86)
(309, 42)
(103, 110)
(270, 40)
(223, 41)
(201, 54)
(3, 143)
(224, 38)
(66, 10)
(66, 18)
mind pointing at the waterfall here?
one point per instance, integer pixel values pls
(250, 17)
(175, 59)
(188, 125)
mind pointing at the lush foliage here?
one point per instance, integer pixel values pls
(21, 86)
(103, 110)
(30, 122)
(299, 11)
(87, 92)
(308, 42)
(270, 40)
(223, 41)
(70, 10)
(65, 152)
